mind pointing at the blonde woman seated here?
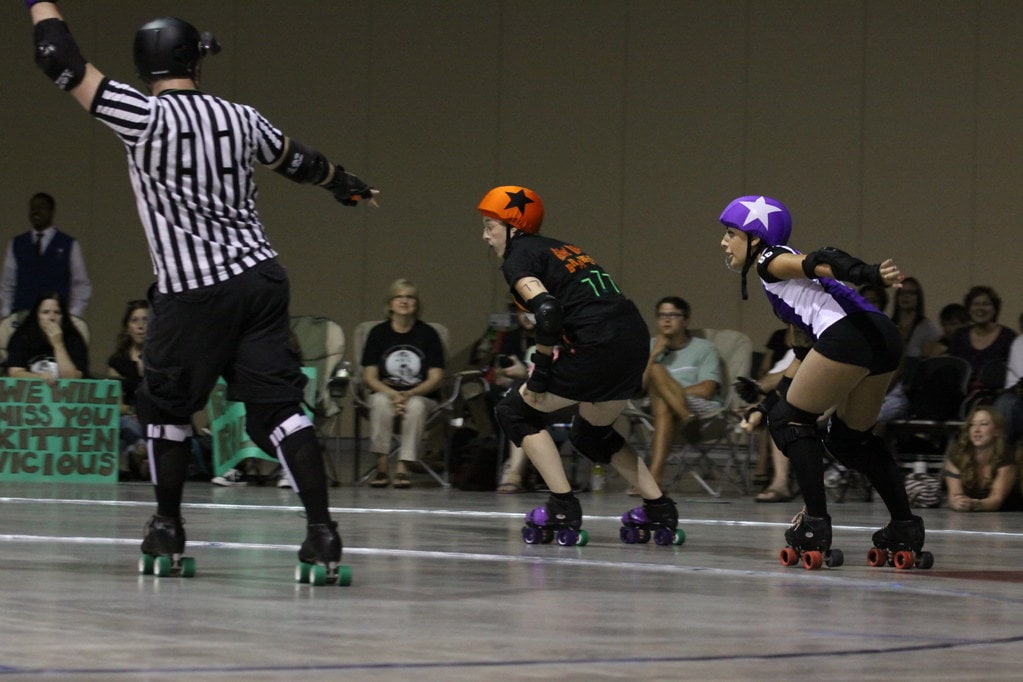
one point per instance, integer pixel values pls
(403, 364)
(980, 470)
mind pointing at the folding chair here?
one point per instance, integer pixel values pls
(322, 345)
(716, 433)
(937, 397)
(439, 417)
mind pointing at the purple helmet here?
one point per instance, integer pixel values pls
(759, 216)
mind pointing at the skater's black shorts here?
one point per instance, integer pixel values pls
(605, 362)
(863, 339)
(238, 330)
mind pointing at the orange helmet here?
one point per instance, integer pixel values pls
(517, 206)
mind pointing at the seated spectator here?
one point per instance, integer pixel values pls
(877, 296)
(47, 344)
(985, 340)
(502, 357)
(403, 365)
(125, 365)
(777, 346)
(918, 333)
(682, 378)
(1010, 402)
(778, 488)
(952, 318)
(980, 468)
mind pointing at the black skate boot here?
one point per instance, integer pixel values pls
(559, 519)
(657, 516)
(163, 546)
(809, 539)
(900, 544)
(320, 556)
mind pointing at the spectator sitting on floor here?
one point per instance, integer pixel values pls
(980, 469)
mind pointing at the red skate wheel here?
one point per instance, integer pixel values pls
(876, 557)
(813, 560)
(788, 557)
(904, 559)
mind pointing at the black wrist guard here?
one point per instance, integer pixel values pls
(540, 377)
(748, 389)
(57, 54)
(347, 187)
(753, 409)
(843, 266)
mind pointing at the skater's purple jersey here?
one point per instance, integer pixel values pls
(813, 305)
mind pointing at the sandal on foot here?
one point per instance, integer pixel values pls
(772, 495)
(380, 480)
(401, 481)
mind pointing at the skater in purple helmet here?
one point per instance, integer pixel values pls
(855, 351)
(602, 344)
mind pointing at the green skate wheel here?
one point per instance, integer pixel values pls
(162, 566)
(318, 575)
(680, 537)
(302, 573)
(344, 576)
(187, 567)
(584, 537)
(146, 564)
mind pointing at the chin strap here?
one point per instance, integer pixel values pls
(750, 257)
(745, 269)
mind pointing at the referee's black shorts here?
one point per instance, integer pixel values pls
(238, 329)
(606, 362)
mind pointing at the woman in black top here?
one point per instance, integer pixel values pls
(125, 365)
(47, 345)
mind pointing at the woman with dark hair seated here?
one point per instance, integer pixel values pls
(47, 345)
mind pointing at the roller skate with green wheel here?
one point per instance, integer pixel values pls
(809, 540)
(320, 557)
(656, 517)
(558, 520)
(163, 547)
(900, 544)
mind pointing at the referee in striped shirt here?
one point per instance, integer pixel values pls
(220, 301)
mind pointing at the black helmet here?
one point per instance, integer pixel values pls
(171, 48)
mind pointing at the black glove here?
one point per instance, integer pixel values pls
(348, 188)
(540, 377)
(748, 389)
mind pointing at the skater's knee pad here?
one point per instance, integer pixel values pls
(789, 424)
(853, 448)
(517, 418)
(270, 423)
(595, 443)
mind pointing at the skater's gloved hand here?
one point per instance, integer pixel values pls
(540, 377)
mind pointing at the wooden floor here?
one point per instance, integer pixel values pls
(445, 589)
